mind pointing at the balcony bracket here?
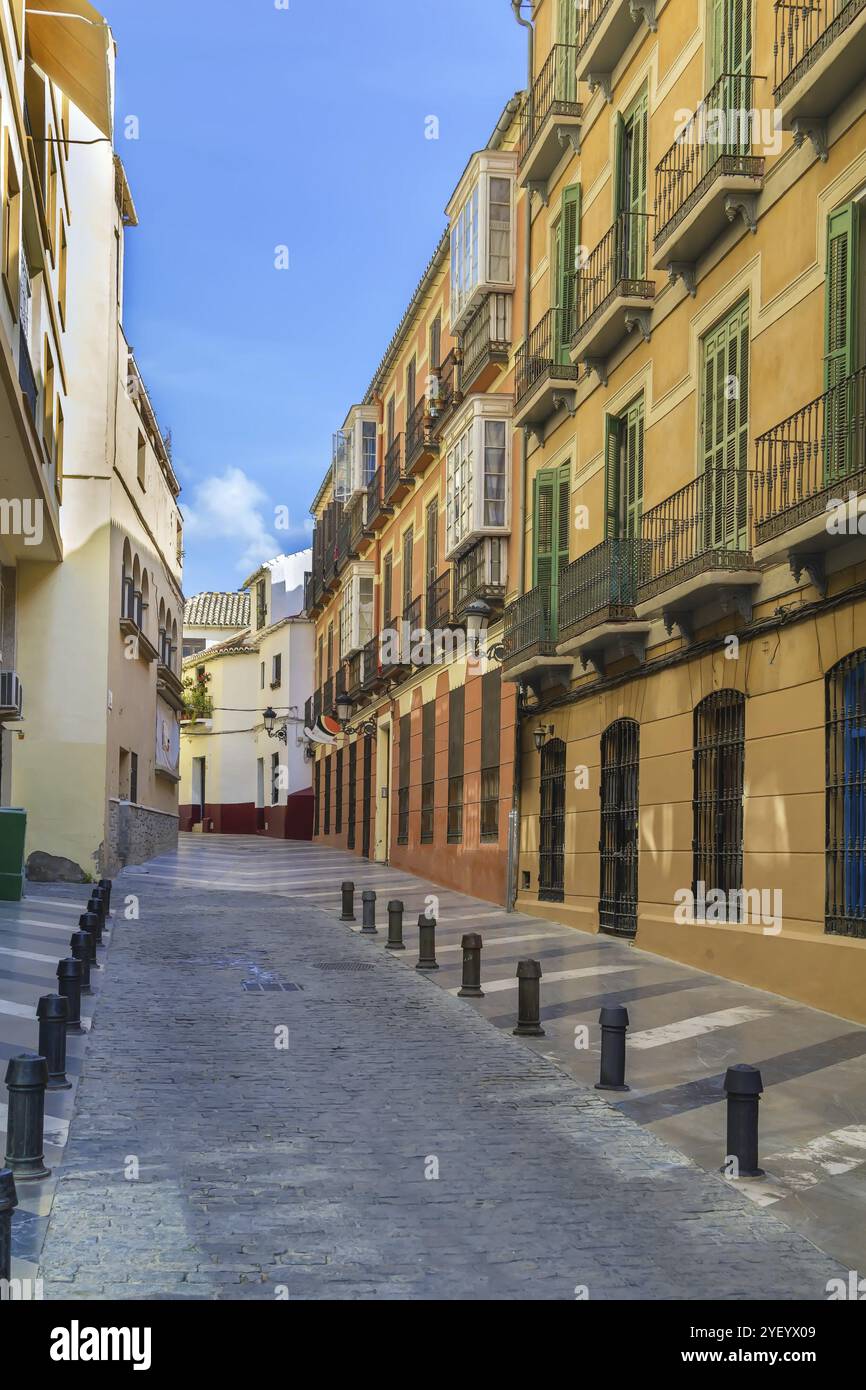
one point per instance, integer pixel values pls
(536, 431)
(746, 204)
(566, 400)
(598, 366)
(602, 80)
(811, 128)
(645, 9)
(569, 135)
(640, 319)
(740, 600)
(682, 621)
(813, 566)
(594, 661)
(539, 186)
(685, 271)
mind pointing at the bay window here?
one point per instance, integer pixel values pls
(481, 217)
(356, 610)
(354, 456)
(477, 485)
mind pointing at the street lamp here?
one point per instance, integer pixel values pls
(345, 705)
(541, 735)
(270, 718)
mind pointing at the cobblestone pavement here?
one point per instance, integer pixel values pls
(205, 1160)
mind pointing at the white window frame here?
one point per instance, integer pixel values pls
(466, 473)
(355, 632)
(469, 214)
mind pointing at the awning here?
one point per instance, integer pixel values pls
(68, 40)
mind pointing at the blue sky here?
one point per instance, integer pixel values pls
(303, 127)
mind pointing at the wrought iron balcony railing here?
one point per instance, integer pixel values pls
(439, 601)
(375, 505)
(718, 140)
(486, 338)
(554, 92)
(317, 704)
(447, 394)
(542, 354)
(530, 625)
(370, 664)
(599, 586)
(589, 16)
(416, 432)
(354, 673)
(339, 682)
(308, 712)
(26, 377)
(617, 266)
(395, 471)
(806, 460)
(706, 525)
(328, 695)
(803, 33)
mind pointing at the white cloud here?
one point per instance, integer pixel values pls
(233, 507)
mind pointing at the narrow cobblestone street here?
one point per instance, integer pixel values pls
(401, 1145)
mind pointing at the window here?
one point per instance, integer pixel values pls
(491, 719)
(550, 533)
(846, 797)
(435, 344)
(11, 229)
(330, 650)
(630, 190)
(456, 730)
(51, 192)
(387, 596)
(431, 539)
(133, 778)
(551, 829)
(179, 542)
(48, 402)
(356, 611)
(328, 794)
(408, 566)
(624, 473)
(841, 356)
(565, 247)
(261, 605)
(725, 430)
(141, 464)
(476, 479)
(59, 437)
(369, 432)
(275, 778)
(353, 793)
(411, 372)
(62, 260)
(620, 812)
(317, 798)
(338, 804)
(481, 217)
(277, 671)
(262, 677)
(428, 771)
(391, 421)
(720, 746)
(321, 661)
(405, 755)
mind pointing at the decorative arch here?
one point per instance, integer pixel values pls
(845, 907)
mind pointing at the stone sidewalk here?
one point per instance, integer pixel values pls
(398, 1147)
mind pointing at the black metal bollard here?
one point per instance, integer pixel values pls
(79, 945)
(348, 914)
(8, 1203)
(97, 906)
(471, 988)
(395, 927)
(614, 1022)
(89, 922)
(743, 1088)
(52, 1011)
(26, 1080)
(426, 943)
(69, 987)
(368, 913)
(105, 885)
(529, 1000)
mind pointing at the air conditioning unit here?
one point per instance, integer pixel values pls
(11, 696)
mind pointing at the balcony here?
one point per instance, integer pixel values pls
(448, 395)
(308, 593)
(169, 685)
(308, 712)
(696, 550)
(605, 28)
(543, 382)
(814, 457)
(421, 444)
(550, 119)
(359, 532)
(371, 673)
(397, 480)
(710, 174)
(485, 343)
(328, 696)
(439, 602)
(26, 377)
(345, 536)
(530, 637)
(396, 643)
(597, 597)
(377, 510)
(480, 574)
(132, 620)
(354, 675)
(613, 292)
(820, 56)
(317, 704)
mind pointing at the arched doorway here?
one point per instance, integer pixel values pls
(620, 807)
(551, 870)
(846, 797)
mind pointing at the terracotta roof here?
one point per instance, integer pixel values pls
(217, 610)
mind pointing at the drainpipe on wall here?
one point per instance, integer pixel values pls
(520, 510)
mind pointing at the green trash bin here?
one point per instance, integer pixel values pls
(13, 831)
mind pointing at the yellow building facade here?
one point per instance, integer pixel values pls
(688, 628)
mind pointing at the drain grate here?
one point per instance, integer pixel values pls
(271, 987)
(347, 965)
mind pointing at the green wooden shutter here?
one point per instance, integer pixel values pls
(618, 143)
(611, 477)
(543, 529)
(567, 241)
(567, 30)
(716, 40)
(840, 335)
(725, 431)
(632, 470)
(634, 184)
